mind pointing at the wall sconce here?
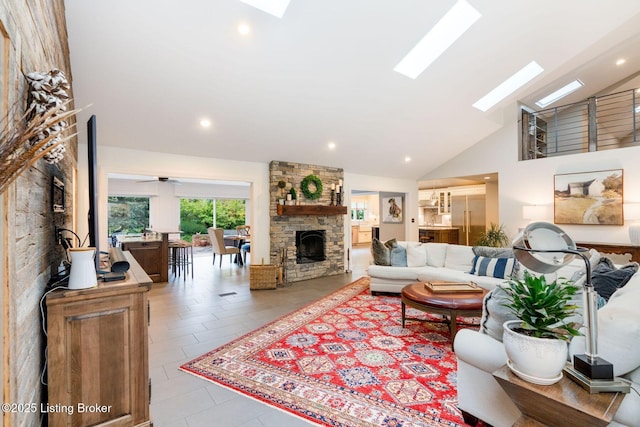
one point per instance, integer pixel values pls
(534, 212)
(632, 213)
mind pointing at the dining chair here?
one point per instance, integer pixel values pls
(244, 230)
(218, 246)
(244, 244)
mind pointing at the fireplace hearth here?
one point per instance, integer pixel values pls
(310, 246)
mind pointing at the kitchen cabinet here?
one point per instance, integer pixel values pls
(444, 202)
(361, 234)
(438, 235)
(98, 353)
(149, 253)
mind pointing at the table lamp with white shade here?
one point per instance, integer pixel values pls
(632, 213)
(545, 248)
(534, 212)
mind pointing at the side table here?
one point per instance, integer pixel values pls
(564, 403)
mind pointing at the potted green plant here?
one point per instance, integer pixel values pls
(294, 195)
(536, 343)
(495, 237)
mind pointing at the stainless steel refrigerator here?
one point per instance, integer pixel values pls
(468, 214)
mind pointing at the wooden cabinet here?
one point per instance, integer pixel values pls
(633, 252)
(444, 202)
(98, 369)
(444, 235)
(354, 234)
(361, 234)
(149, 254)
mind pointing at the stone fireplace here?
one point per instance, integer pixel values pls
(319, 234)
(309, 246)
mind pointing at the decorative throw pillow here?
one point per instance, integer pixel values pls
(494, 312)
(416, 255)
(382, 251)
(491, 252)
(501, 268)
(607, 279)
(398, 256)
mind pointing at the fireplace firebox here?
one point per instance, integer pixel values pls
(310, 246)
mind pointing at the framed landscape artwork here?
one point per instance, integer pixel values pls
(392, 209)
(588, 198)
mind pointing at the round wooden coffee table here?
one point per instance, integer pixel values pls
(451, 304)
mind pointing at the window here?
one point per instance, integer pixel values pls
(196, 215)
(358, 210)
(127, 214)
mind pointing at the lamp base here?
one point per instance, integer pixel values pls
(597, 386)
(593, 368)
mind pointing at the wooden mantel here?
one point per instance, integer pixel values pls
(311, 210)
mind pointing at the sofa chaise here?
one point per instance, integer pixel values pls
(480, 353)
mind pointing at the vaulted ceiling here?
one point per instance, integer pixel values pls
(151, 70)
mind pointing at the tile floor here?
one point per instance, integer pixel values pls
(190, 317)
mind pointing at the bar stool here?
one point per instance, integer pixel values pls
(181, 257)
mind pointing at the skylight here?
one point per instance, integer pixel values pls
(272, 7)
(450, 27)
(560, 93)
(509, 86)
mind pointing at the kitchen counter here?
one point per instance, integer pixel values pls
(438, 227)
(438, 234)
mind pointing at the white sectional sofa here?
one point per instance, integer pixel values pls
(429, 262)
(480, 353)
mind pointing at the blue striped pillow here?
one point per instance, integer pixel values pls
(502, 268)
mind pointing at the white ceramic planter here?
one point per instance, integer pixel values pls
(537, 360)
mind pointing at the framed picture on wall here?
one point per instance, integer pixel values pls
(588, 198)
(392, 209)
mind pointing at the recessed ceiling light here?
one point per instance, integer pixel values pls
(332, 145)
(272, 7)
(487, 177)
(244, 29)
(560, 93)
(509, 86)
(407, 159)
(450, 27)
(620, 61)
(205, 123)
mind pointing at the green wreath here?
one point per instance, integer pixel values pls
(304, 186)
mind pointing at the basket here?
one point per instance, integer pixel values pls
(262, 276)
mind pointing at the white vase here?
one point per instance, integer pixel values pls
(537, 360)
(83, 268)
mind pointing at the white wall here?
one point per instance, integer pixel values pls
(126, 161)
(385, 185)
(531, 182)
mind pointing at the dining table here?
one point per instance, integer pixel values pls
(238, 240)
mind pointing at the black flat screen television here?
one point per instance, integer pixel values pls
(92, 150)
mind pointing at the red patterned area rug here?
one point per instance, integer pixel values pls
(345, 360)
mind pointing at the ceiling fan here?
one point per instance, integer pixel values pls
(162, 179)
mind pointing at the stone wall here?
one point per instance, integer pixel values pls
(283, 227)
(34, 39)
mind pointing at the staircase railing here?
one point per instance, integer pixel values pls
(599, 123)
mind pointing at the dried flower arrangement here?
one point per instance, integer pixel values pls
(36, 134)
